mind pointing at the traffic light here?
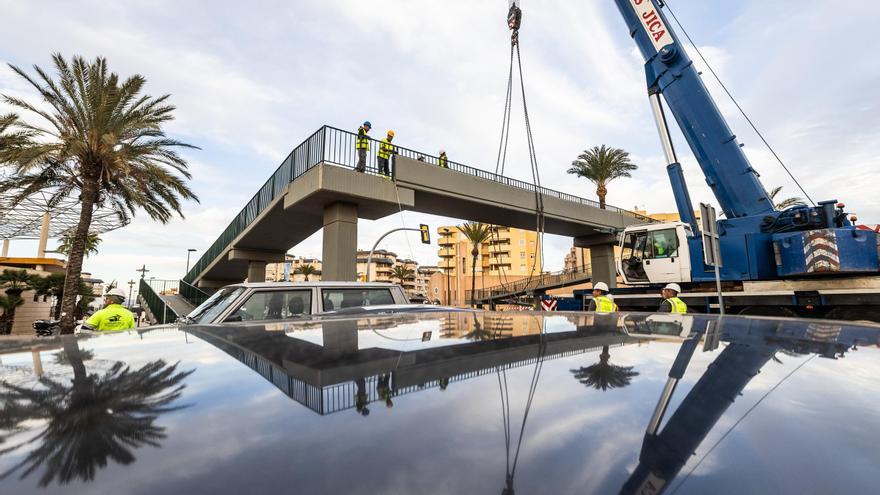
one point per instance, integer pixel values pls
(426, 234)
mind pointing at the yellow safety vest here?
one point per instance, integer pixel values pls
(363, 142)
(443, 162)
(678, 306)
(385, 149)
(604, 305)
(113, 317)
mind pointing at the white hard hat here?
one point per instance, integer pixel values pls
(115, 292)
(674, 287)
(601, 286)
(442, 151)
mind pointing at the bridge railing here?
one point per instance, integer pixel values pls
(162, 312)
(531, 283)
(337, 147)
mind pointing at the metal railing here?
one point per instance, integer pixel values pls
(162, 312)
(522, 286)
(337, 147)
(192, 293)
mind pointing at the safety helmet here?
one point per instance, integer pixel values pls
(367, 123)
(442, 152)
(391, 133)
(115, 292)
(601, 286)
(674, 287)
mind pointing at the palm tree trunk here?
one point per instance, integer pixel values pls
(77, 249)
(601, 191)
(474, 253)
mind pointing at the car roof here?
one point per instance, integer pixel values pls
(320, 284)
(436, 401)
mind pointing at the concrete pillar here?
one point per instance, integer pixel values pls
(5, 248)
(38, 363)
(602, 263)
(44, 236)
(339, 255)
(340, 337)
(256, 271)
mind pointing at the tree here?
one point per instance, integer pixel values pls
(306, 270)
(14, 282)
(52, 286)
(91, 245)
(787, 202)
(89, 420)
(601, 165)
(102, 140)
(402, 272)
(477, 233)
(604, 375)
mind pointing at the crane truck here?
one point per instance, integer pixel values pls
(800, 261)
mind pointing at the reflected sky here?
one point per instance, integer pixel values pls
(803, 424)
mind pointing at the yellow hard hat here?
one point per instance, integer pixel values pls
(391, 133)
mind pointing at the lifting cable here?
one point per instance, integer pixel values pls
(514, 19)
(665, 3)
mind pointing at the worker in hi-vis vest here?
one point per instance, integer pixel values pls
(671, 303)
(386, 149)
(362, 145)
(114, 316)
(601, 303)
(443, 161)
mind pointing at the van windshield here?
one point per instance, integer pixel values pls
(208, 311)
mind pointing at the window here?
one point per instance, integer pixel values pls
(522, 255)
(522, 243)
(352, 298)
(664, 244)
(522, 268)
(463, 265)
(274, 305)
(214, 305)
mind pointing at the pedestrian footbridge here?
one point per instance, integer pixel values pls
(318, 187)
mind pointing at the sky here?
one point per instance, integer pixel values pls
(251, 80)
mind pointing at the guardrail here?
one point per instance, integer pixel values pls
(524, 285)
(337, 147)
(162, 313)
(192, 293)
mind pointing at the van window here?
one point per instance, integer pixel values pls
(274, 305)
(664, 244)
(352, 298)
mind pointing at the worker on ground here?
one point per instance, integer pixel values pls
(601, 303)
(362, 145)
(386, 149)
(114, 316)
(671, 303)
(443, 161)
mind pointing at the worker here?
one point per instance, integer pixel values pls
(601, 303)
(362, 145)
(443, 161)
(659, 247)
(671, 303)
(386, 149)
(114, 316)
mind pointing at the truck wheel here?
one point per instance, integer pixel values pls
(860, 315)
(768, 311)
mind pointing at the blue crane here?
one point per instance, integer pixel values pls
(757, 242)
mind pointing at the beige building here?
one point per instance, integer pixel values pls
(510, 254)
(275, 272)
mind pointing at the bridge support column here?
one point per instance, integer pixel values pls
(340, 242)
(256, 271)
(602, 264)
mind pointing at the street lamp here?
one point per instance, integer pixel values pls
(188, 252)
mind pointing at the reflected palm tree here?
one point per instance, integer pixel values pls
(91, 420)
(479, 332)
(604, 375)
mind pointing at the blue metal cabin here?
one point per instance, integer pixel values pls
(757, 242)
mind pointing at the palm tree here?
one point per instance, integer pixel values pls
(787, 202)
(601, 165)
(90, 419)
(14, 282)
(103, 142)
(91, 245)
(477, 233)
(306, 270)
(52, 285)
(8, 305)
(401, 272)
(604, 375)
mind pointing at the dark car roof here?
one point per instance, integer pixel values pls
(448, 402)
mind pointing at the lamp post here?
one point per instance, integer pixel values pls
(188, 252)
(130, 285)
(446, 235)
(143, 271)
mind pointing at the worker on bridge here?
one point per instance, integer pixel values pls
(443, 161)
(386, 149)
(362, 145)
(671, 303)
(601, 303)
(114, 316)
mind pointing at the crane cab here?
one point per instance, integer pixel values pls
(655, 254)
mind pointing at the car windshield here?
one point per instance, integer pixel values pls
(216, 304)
